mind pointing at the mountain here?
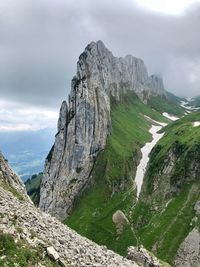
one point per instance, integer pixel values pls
(26, 151)
(113, 114)
(85, 123)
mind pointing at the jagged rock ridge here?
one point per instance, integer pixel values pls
(84, 123)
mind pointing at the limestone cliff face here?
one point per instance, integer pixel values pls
(84, 123)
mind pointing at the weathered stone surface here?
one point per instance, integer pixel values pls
(197, 207)
(9, 180)
(142, 257)
(189, 252)
(120, 220)
(25, 222)
(52, 253)
(84, 125)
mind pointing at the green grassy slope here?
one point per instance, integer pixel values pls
(113, 175)
(168, 103)
(33, 187)
(21, 254)
(162, 231)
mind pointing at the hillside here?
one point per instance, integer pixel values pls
(33, 187)
(167, 103)
(165, 213)
(113, 186)
(30, 238)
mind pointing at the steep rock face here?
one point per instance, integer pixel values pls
(10, 181)
(84, 125)
(189, 252)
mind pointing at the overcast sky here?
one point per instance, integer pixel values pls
(40, 41)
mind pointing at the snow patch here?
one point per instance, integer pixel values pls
(171, 117)
(146, 149)
(196, 123)
(156, 122)
(185, 105)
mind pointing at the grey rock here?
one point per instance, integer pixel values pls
(85, 123)
(188, 254)
(10, 180)
(120, 220)
(142, 257)
(197, 207)
(52, 253)
(62, 244)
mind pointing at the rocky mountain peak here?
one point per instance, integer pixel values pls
(84, 125)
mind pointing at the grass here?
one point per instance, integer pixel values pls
(113, 175)
(20, 254)
(163, 231)
(164, 104)
(11, 189)
(33, 187)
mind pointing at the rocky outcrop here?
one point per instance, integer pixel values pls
(26, 223)
(177, 167)
(120, 220)
(10, 181)
(143, 258)
(189, 252)
(85, 122)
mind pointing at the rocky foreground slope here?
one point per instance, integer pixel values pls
(85, 122)
(24, 222)
(37, 235)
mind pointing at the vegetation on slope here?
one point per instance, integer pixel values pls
(167, 104)
(114, 171)
(163, 216)
(33, 187)
(20, 254)
(10, 188)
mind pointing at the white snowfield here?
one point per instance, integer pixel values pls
(171, 117)
(196, 123)
(146, 149)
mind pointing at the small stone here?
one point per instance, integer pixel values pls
(52, 253)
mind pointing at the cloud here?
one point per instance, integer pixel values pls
(15, 117)
(41, 41)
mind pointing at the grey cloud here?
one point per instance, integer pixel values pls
(41, 41)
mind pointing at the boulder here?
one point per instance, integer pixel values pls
(52, 253)
(142, 257)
